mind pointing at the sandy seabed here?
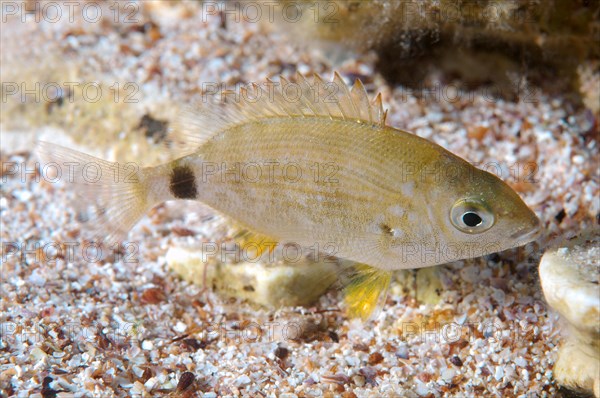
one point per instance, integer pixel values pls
(128, 326)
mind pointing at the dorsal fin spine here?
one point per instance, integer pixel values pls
(332, 99)
(304, 84)
(347, 95)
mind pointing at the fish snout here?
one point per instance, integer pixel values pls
(529, 232)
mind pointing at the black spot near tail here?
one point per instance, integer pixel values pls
(183, 183)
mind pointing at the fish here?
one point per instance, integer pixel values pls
(315, 164)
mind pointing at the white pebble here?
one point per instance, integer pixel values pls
(22, 195)
(180, 327)
(520, 362)
(242, 380)
(147, 345)
(75, 361)
(499, 373)
(402, 351)
(36, 278)
(38, 354)
(303, 68)
(498, 295)
(448, 374)
(352, 361)
(139, 372)
(421, 389)
(150, 383)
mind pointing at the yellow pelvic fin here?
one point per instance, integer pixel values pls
(253, 243)
(366, 292)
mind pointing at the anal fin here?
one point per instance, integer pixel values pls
(366, 291)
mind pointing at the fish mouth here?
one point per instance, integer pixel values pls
(528, 234)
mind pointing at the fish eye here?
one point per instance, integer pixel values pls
(471, 216)
(471, 219)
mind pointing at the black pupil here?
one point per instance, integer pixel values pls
(471, 219)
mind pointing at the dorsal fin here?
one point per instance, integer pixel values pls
(204, 120)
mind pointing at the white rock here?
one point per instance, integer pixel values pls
(499, 374)
(571, 287)
(180, 327)
(448, 374)
(22, 195)
(242, 381)
(421, 389)
(36, 278)
(150, 383)
(38, 354)
(270, 284)
(520, 362)
(147, 345)
(569, 278)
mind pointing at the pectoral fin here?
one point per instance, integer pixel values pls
(366, 291)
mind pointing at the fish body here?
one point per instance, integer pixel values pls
(375, 195)
(326, 171)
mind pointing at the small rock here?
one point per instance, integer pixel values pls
(499, 374)
(569, 279)
(456, 361)
(22, 195)
(448, 374)
(242, 381)
(180, 327)
(147, 345)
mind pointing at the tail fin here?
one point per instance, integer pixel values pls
(114, 195)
